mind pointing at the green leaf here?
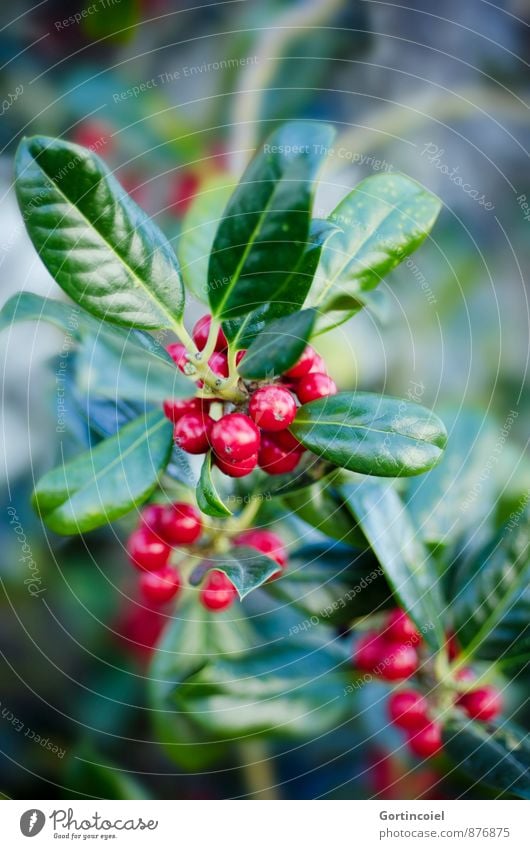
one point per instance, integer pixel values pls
(384, 219)
(491, 606)
(383, 518)
(265, 228)
(100, 247)
(27, 306)
(498, 756)
(246, 568)
(108, 481)
(371, 434)
(279, 346)
(208, 499)
(199, 227)
(322, 506)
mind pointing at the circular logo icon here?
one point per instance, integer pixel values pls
(32, 822)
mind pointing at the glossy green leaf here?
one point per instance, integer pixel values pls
(384, 219)
(199, 227)
(382, 517)
(491, 596)
(265, 229)
(246, 568)
(208, 499)
(100, 247)
(498, 756)
(323, 507)
(28, 306)
(371, 434)
(279, 346)
(108, 481)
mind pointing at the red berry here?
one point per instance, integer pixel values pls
(175, 408)
(484, 704)
(235, 437)
(218, 591)
(398, 661)
(313, 386)
(239, 356)
(240, 468)
(318, 365)
(150, 517)
(192, 433)
(181, 524)
(147, 551)
(160, 587)
(178, 354)
(407, 709)
(288, 442)
(272, 408)
(218, 363)
(182, 190)
(400, 628)
(453, 649)
(201, 332)
(368, 652)
(427, 741)
(274, 460)
(304, 364)
(267, 542)
(96, 135)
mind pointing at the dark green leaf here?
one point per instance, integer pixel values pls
(208, 499)
(308, 472)
(371, 434)
(198, 232)
(109, 480)
(265, 228)
(497, 756)
(382, 221)
(27, 306)
(95, 241)
(383, 518)
(322, 506)
(246, 568)
(279, 346)
(491, 607)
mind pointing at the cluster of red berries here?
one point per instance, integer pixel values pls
(392, 654)
(164, 527)
(257, 433)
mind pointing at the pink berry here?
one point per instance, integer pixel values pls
(484, 703)
(304, 364)
(192, 433)
(235, 437)
(147, 551)
(201, 332)
(427, 741)
(398, 662)
(218, 363)
(368, 652)
(313, 386)
(239, 469)
(267, 542)
(274, 460)
(175, 408)
(407, 709)
(272, 408)
(181, 524)
(178, 354)
(160, 587)
(400, 628)
(218, 591)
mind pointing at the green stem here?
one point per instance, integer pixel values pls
(257, 771)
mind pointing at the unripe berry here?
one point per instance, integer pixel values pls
(400, 628)
(147, 551)
(407, 709)
(265, 541)
(274, 460)
(178, 353)
(235, 437)
(304, 364)
(180, 524)
(201, 332)
(175, 408)
(160, 587)
(272, 408)
(218, 591)
(427, 741)
(192, 433)
(484, 703)
(239, 469)
(313, 386)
